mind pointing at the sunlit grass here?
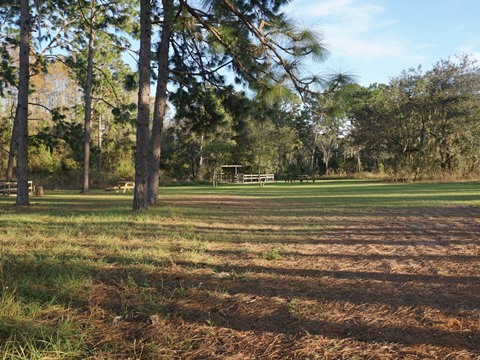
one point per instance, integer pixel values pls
(70, 263)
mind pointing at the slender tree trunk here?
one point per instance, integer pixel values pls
(312, 159)
(140, 200)
(87, 131)
(315, 139)
(200, 158)
(99, 143)
(160, 103)
(13, 146)
(359, 162)
(22, 106)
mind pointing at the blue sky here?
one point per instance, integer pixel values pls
(377, 39)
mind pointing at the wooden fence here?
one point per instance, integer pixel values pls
(8, 188)
(242, 178)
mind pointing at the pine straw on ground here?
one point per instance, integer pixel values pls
(369, 284)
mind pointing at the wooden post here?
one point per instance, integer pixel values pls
(39, 191)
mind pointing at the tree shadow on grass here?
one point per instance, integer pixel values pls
(253, 297)
(322, 256)
(258, 297)
(396, 291)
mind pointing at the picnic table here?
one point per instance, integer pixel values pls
(300, 178)
(122, 185)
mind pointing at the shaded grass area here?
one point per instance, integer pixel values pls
(335, 269)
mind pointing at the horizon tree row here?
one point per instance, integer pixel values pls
(197, 43)
(231, 75)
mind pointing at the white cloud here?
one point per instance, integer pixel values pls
(356, 29)
(330, 7)
(470, 46)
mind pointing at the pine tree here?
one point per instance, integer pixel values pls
(140, 200)
(251, 39)
(21, 117)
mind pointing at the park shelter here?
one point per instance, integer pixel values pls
(239, 174)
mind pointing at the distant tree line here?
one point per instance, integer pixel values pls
(419, 126)
(422, 125)
(229, 88)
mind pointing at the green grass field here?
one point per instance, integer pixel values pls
(335, 269)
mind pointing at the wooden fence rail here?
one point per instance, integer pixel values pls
(243, 178)
(11, 187)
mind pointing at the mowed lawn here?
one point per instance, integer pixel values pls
(332, 270)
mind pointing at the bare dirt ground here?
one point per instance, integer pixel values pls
(311, 283)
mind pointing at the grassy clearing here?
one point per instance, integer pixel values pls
(335, 269)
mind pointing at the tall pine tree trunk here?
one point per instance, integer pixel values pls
(88, 111)
(160, 103)
(22, 106)
(140, 200)
(99, 144)
(13, 148)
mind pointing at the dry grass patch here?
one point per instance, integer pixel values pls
(243, 277)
